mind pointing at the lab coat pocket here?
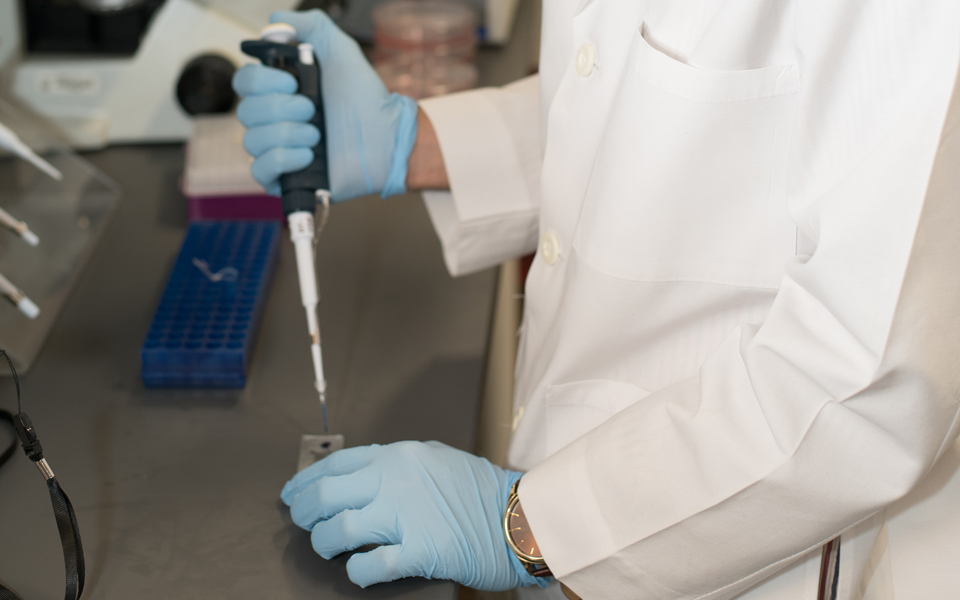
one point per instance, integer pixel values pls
(688, 181)
(573, 409)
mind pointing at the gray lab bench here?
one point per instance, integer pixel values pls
(176, 491)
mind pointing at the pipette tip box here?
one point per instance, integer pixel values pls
(203, 332)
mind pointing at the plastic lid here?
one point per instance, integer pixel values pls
(423, 24)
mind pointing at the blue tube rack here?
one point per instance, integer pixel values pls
(203, 332)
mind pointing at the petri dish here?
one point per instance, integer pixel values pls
(425, 47)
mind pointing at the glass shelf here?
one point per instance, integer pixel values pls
(69, 216)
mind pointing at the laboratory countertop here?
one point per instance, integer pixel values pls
(177, 491)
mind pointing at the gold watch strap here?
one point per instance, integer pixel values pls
(569, 593)
(513, 490)
(537, 570)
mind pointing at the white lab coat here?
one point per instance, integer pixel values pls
(742, 326)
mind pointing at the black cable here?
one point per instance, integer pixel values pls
(7, 417)
(67, 524)
(8, 453)
(16, 378)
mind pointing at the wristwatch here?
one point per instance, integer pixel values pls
(520, 539)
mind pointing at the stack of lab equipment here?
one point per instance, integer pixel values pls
(133, 71)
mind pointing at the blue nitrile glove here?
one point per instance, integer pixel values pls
(371, 131)
(437, 512)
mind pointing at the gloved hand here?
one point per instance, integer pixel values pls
(437, 511)
(371, 131)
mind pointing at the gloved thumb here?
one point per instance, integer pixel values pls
(384, 563)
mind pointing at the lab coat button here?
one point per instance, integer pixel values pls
(550, 247)
(586, 58)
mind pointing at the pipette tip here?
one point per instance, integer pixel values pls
(30, 237)
(47, 168)
(323, 410)
(27, 307)
(39, 162)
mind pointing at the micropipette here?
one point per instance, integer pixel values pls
(18, 227)
(301, 191)
(10, 141)
(19, 299)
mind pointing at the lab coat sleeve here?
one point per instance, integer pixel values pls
(841, 400)
(490, 141)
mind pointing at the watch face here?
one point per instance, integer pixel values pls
(520, 533)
